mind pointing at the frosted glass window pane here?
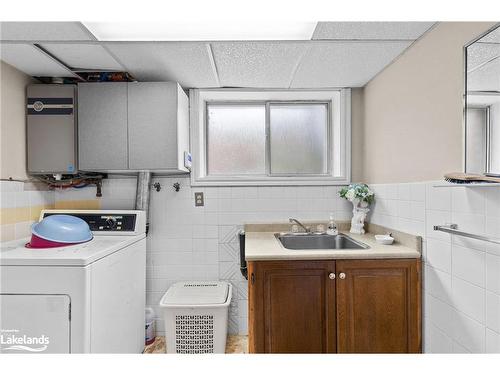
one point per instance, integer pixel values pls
(236, 139)
(299, 138)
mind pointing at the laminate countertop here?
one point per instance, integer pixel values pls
(261, 244)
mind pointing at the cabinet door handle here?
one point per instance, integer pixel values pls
(252, 278)
(342, 275)
(331, 276)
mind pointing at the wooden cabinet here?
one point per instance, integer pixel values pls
(132, 126)
(345, 306)
(290, 309)
(378, 306)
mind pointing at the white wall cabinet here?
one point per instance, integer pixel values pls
(102, 126)
(134, 126)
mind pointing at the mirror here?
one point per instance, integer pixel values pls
(482, 104)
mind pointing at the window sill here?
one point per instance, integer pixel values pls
(274, 181)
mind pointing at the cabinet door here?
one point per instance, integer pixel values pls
(152, 123)
(292, 307)
(102, 126)
(378, 306)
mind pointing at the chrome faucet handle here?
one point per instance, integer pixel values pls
(306, 229)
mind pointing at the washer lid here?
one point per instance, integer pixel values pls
(14, 253)
(196, 293)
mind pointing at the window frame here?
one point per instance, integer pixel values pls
(338, 129)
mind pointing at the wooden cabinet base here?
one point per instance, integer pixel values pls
(345, 306)
(289, 307)
(378, 306)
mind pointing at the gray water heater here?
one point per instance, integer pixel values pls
(51, 129)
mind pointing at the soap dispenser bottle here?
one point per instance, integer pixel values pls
(332, 227)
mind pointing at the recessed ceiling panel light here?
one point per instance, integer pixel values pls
(194, 31)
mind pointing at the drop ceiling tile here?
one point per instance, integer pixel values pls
(257, 64)
(492, 37)
(481, 53)
(30, 60)
(83, 56)
(188, 63)
(345, 64)
(370, 30)
(485, 78)
(44, 31)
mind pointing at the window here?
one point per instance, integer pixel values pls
(270, 137)
(236, 139)
(298, 139)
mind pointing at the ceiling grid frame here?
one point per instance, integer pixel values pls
(98, 57)
(297, 66)
(216, 69)
(213, 64)
(85, 29)
(113, 56)
(56, 59)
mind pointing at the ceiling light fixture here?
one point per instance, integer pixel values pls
(200, 31)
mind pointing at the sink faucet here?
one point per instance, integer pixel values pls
(307, 229)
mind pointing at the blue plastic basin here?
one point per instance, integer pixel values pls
(62, 228)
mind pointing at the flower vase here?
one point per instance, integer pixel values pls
(359, 212)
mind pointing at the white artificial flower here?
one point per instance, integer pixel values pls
(350, 195)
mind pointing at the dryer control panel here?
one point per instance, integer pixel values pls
(106, 221)
(96, 222)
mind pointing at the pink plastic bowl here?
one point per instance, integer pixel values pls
(41, 243)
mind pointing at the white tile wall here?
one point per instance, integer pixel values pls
(400, 206)
(461, 276)
(201, 243)
(14, 195)
(118, 193)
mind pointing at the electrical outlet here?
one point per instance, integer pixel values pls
(198, 199)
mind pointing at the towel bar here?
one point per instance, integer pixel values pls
(453, 229)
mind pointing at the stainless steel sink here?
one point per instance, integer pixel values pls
(319, 241)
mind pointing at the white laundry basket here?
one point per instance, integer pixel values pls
(195, 315)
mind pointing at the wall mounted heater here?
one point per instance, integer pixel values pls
(51, 129)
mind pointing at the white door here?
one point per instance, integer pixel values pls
(34, 323)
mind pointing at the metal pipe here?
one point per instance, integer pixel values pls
(143, 194)
(452, 229)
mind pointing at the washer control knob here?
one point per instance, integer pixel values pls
(111, 222)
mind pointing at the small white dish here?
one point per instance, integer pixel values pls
(384, 239)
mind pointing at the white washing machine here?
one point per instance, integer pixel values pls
(85, 298)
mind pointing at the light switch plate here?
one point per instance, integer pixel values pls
(199, 200)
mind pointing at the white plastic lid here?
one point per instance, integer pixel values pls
(196, 293)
